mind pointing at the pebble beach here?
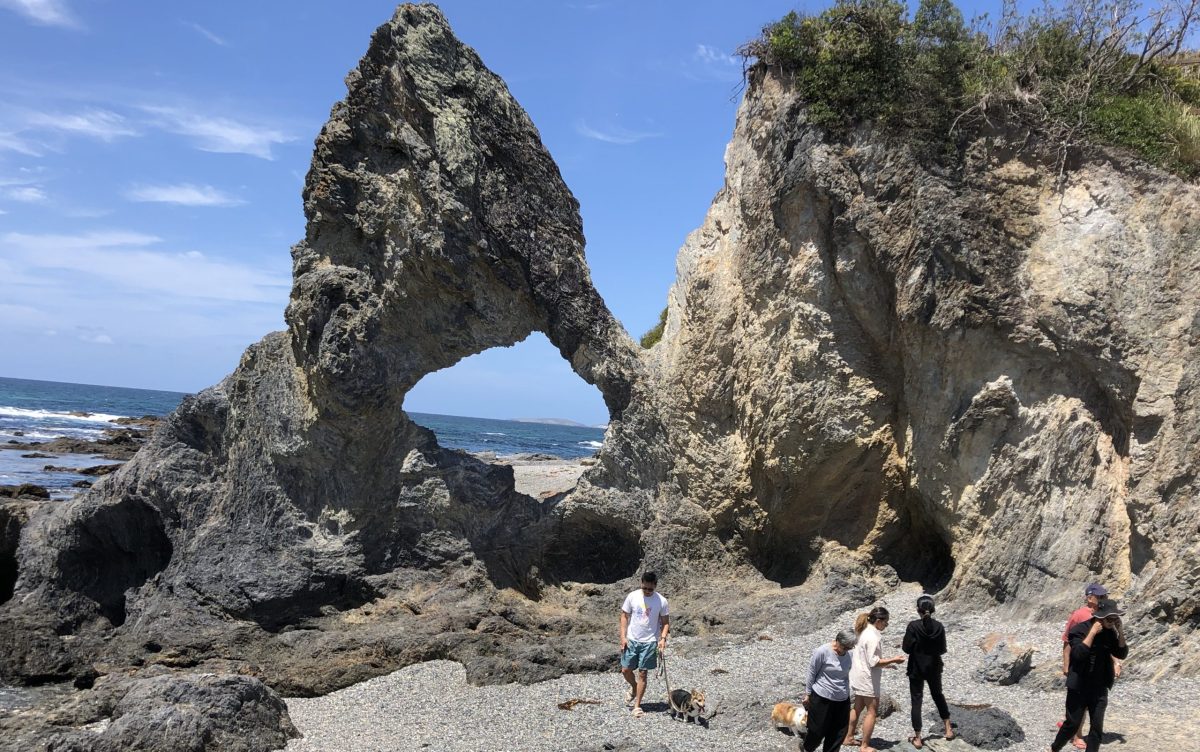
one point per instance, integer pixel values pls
(431, 706)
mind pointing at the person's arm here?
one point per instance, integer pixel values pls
(1066, 657)
(814, 670)
(910, 639)
(665, 621)
(1121, 651)
(941, 643)
(624, 629)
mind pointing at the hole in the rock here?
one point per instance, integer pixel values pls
(523, 407)
(8, 575)
(119, 546)
(10, 535)
(522, 404)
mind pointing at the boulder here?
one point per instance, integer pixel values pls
(186, 713)
(980, 726)
(1005, 662)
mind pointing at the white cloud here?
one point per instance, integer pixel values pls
(218, 134)
(13, 142)
(184, 194)
(613, 135)
(101, 124)
(711, 64)
(93, 334)
(90, 240)
(27, 194)
(44, 12)
(123, 261)
(208, 35)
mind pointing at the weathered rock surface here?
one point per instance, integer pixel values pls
(979, 377)
(981, 380)
(297, 491)
(1004, 661)
(980, 727)
(169, 713)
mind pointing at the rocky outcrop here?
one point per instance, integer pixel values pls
(297, 489)
(167, 713)
(981, 379)
(979, 376)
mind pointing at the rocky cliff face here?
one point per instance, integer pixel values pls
(980, 380)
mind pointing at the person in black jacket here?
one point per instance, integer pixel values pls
(925, 642)
(1094, 644)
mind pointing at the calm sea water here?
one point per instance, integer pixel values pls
(43, 410)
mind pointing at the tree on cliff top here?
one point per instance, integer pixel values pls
(1099, 70)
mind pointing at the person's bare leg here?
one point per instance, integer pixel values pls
(855, 707)
(949, 729)
(639, 690)
(868, 725)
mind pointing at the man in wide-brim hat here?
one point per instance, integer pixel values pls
(1094, 644)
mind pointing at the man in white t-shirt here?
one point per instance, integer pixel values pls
(645, 622)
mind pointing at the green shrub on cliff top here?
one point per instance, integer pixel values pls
(1083, 70)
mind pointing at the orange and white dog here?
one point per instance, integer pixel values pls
(792, 716)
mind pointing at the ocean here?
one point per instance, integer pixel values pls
(41, 410)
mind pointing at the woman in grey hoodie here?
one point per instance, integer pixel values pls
(925, 642)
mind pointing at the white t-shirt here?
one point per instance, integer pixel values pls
(644, 615)
(866, 675)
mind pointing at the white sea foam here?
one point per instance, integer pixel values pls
(21, 412)
(493, 433)
(596, 444)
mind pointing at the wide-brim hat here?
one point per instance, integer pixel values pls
(1107, 608)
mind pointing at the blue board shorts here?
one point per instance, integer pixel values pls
(642, 656)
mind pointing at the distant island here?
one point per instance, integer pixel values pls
(551, 422)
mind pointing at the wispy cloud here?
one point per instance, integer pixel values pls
(28, 194)
(44, 12)
(13, 142)
(101, 124)
(93, 334)
(709, 63)
(184, 194)
(208, 34)
(613, 134)
(126, 261)
(219, 134)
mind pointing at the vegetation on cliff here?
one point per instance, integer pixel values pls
(1108, 72)
(651, 338)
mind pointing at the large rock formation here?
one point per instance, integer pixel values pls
(980, 376)
(975, 378)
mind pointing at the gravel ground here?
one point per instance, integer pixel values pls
(430, 705)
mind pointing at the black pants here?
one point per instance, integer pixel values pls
(827, 720)
(916, 690)
(1094, 702)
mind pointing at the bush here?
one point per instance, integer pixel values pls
(651, 338)
(1084, 70)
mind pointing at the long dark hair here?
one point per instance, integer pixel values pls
(925, 608)
(874, 615)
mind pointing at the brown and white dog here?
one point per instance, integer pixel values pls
(792, 716)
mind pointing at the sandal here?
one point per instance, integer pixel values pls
(916, 742)
(638, 712)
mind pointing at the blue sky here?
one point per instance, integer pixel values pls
(152, 157)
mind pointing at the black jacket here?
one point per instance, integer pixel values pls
(1091, 669)
(925, 643)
